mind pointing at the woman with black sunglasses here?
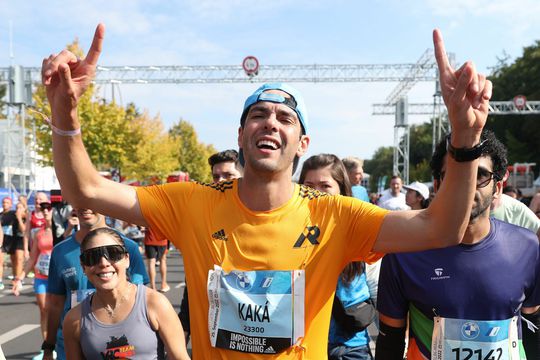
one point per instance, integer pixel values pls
(120, 320)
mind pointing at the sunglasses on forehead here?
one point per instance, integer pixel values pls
(113, 253)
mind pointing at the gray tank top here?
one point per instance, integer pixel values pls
(132, 338)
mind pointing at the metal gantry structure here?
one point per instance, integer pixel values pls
(220, 74)
(406, 73)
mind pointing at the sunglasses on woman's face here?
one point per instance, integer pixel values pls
(113, 253)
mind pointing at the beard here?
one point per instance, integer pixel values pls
(483, 204)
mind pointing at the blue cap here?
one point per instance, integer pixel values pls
(296, 102)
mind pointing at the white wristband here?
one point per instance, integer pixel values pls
(56, 130)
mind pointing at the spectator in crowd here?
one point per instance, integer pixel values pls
(417, 195)
(393, 198)
(155, 248)
(225, 166)
(355, 171)
(348, 337)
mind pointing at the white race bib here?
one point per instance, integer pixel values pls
(260, 312)
(7, 230)
(455, 339)
(42, 264)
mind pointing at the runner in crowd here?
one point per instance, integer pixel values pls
(348, 337)
(120, 319)
(417, 195)
(465, 299)
(155, 248)
(13, 224)
(393, 199)
(355, 171)
(36, 221)
(68, 285)
(225, 166)
(40, 256)
(256, 227)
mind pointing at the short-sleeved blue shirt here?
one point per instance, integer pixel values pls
(490, 280)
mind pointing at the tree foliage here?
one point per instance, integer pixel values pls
(520, 133)
(420, 150)
(122, 138)
(154, 155)
(192, 155)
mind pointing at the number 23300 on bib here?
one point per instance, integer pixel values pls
(258, 312)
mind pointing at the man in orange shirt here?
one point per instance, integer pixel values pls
(261, 250)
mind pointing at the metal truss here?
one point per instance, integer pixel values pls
(509, 108)
(495, 108)
(235, 74)
(425, 66)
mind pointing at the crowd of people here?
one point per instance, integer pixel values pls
(283, 270)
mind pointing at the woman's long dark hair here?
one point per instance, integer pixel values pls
(339, 174)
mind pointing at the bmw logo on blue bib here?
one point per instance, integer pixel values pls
(470, 330)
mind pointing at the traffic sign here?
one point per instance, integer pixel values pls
(520, 101)
(250, 64)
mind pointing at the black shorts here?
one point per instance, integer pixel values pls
(12, 244)
(154, 251)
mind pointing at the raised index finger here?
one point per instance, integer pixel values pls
(440, 52)
(95, 49)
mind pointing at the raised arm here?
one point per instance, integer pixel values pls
(466, 95)
(66, 78)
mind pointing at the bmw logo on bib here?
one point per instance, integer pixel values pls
(470, 330)
(239, 280)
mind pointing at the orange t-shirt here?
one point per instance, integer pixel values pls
(313, 231)
(153, 239)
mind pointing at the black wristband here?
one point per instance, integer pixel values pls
(47, 346)
(390, 342)
(465, 154)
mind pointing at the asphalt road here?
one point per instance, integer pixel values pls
(20, 336)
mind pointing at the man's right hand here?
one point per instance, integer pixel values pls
(67, 77)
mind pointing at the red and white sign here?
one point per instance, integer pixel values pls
(250, 64)
(520, 101)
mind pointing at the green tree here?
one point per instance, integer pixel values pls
(379, 165)
(420, 150)
(192, 155)
(520, 133)
(154, 156)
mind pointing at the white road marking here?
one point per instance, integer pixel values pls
(182, 284)
(18, 331)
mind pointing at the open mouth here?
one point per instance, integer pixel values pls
(105, 275)
(267, 144)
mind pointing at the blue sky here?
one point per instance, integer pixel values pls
(202, 32)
